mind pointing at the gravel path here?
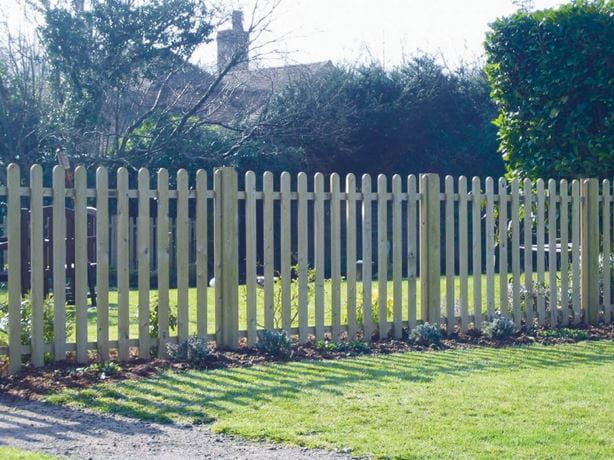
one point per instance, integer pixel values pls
(72, 433)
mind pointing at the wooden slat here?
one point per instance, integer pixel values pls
(123, 276)
(81, 264)
(143, 261)
(268, 237)
(335, 254)
(350, 242)
(303, 260)
(607, 238)
(250, 256)
(318, 242)
(102, 263)
(286, 253)
(541, 254)
(162, 243)
(476, 225)
(450, 252)
(37, 264)
(412, 249)
(564, 224)
(575, 249)
(528, 250)
(202, 251)
(490, 246)
(463, 250)
(59, 263)
(182, 249)
(515, 218)
(552, 254)
(382, 255)
(14, 268)
(397, 252)
(367, 257)
(503, 248)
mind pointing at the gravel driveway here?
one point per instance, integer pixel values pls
(72, 433)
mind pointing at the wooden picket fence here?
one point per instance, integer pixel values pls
(325, 253)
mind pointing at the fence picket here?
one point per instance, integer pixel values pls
(490, 246)
(382, 255)
(123, 275)
(516, 253)
(268, 237)
(463, 249)
(286, 253)
(503, 248)
(335, 255)
(59, 263)
(162, 243)
(303, 261)
(552, 219)
(318, 244)
(182, 248)
(449, 254)
(564, 224)
(202, 254)
(14, 260)
(575, 249)
(528, 250)
(81, 263)
(476, 226)
(367, 251)
(412, 249)
(102, 263)
(397, 251)
(36, 265)
(350, 253)
(143, 261)
(250, 256)
(541, 254)
(607, 265)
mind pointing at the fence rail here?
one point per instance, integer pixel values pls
(313, 256)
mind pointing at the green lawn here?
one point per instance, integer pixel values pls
(521, 402)
(133, 299)
(10, 453)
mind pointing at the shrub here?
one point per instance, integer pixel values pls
(499, 328)
(194, 351)
(353, 346)
(565, 332)
(154, 316)
(426, 334)
(104, 370)
(274, 343)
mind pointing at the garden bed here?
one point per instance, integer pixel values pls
(36, 383)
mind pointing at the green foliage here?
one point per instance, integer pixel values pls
(565, 332)
(551, 74)
(104, 370)
(26, 319)
(193, 351)
(500, 328)
(274, 343)
(374, 309)
(426, 334)
(352, 346)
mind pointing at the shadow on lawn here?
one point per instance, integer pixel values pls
(199, 395)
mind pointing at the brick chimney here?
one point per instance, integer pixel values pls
(232, 43)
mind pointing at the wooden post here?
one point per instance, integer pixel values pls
(226, 265)
(14, 284)
(430, 246)
(589, 247)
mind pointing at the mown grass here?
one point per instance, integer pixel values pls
(519, 402)
(11, 453)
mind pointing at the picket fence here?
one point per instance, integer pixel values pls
(320, 251)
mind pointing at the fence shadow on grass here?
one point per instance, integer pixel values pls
(201, 395)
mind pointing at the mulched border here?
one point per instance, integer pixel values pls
(36, 383)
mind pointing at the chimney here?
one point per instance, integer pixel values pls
(233, 43)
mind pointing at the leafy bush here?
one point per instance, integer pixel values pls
(154, 316)
(353, 346)
(195, 351)
(551, 77)
(374, 309)
(565, 332)
(499, 328)
(103, 370)
(274, 343)
(426, 334)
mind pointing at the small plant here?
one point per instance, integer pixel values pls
(194, 351)
(374, 310)
(154, 315)
(353, 346)
(499, 328)
(274, 343)
(102, 370)
(565, 332)
(426, 334)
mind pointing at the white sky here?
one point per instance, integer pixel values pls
(350, 30)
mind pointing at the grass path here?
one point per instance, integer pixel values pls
(521, 402)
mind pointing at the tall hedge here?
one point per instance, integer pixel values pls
(552, 78)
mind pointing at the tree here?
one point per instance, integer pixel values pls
(552, 76)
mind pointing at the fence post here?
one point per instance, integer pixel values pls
(226, 257)
(589, 247)
(430, 263)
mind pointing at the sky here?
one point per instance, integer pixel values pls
(347, 31)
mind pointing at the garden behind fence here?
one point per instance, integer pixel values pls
(150, 259)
